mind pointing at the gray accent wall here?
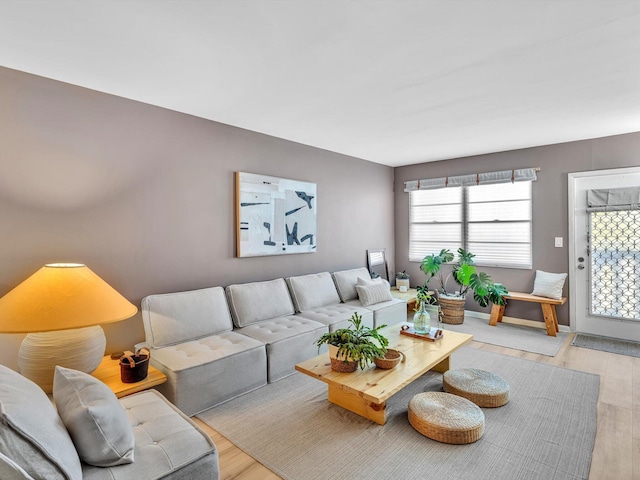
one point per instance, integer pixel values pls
(550, 204)
(145, 196)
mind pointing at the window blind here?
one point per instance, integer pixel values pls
(492, 221)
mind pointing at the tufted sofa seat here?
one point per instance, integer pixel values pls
(167, 444)
(265, 311)
(193, 343)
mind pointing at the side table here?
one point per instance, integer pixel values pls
(410, 297)
(109, 373)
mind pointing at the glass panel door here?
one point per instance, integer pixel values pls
(615, 264)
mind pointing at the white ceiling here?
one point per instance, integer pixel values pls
(394, 82)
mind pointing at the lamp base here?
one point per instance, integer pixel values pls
(80, 349)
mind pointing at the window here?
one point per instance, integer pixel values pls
(491, 221)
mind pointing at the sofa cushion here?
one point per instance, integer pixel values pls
(31, 432)
(198, 372)
(167, 444)
(289, 340)
(346, 281)
(179, 317)
(258, 301)
(204, 350)
(93, 416)
(312, 291)
(371, 294)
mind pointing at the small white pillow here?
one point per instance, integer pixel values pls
(98, 424)
(375, 293)
(548, 284)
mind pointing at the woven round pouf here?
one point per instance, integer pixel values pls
(483, 388)
(446, 418)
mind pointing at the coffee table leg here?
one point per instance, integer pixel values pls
(356, 404)
(443, 366)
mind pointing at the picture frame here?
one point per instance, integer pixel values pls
(275, 216)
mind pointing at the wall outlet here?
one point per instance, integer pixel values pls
(558, 242)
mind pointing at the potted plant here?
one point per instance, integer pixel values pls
(402, 280)
(354, 345)
(466, 278)
(427, 311)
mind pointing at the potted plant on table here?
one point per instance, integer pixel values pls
(354, 345)
(402, 280)
(466, 278)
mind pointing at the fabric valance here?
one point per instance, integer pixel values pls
(610, 199)
(504, 176)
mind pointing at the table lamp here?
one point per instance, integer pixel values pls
(61, 307)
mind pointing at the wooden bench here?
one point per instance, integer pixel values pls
(548, 309)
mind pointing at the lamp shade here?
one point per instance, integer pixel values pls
(62, 296)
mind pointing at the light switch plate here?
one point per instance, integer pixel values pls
(558, 242)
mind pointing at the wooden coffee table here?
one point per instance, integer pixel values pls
(366, 392)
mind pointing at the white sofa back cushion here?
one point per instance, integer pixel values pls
(253, 302)
(313, 291)
(174, 318)
(31, 432)
(346, 281)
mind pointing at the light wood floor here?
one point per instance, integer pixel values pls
(616, 454)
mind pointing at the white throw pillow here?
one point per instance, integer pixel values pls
(548, 284)
(374, 293)
(98, 424)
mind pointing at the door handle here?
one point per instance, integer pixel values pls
(580, 267)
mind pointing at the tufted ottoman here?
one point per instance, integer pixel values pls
(446, 418)
(483, 388)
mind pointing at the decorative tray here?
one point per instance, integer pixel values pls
(434, 334)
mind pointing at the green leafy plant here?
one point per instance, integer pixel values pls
(357, 343)
(465, 275)
(403, 275)
(424, 295)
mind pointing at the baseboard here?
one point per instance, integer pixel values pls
(516, 321)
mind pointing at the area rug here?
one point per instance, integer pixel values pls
(508, 335)
(605, 344)
(547, 429)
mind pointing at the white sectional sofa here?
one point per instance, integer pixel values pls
(192, 341)
(216, 344)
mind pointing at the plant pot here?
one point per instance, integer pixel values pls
(390, 360)
(341, 364)
(403, 282)
(452, 309)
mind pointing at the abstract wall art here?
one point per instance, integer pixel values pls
(274, 216)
